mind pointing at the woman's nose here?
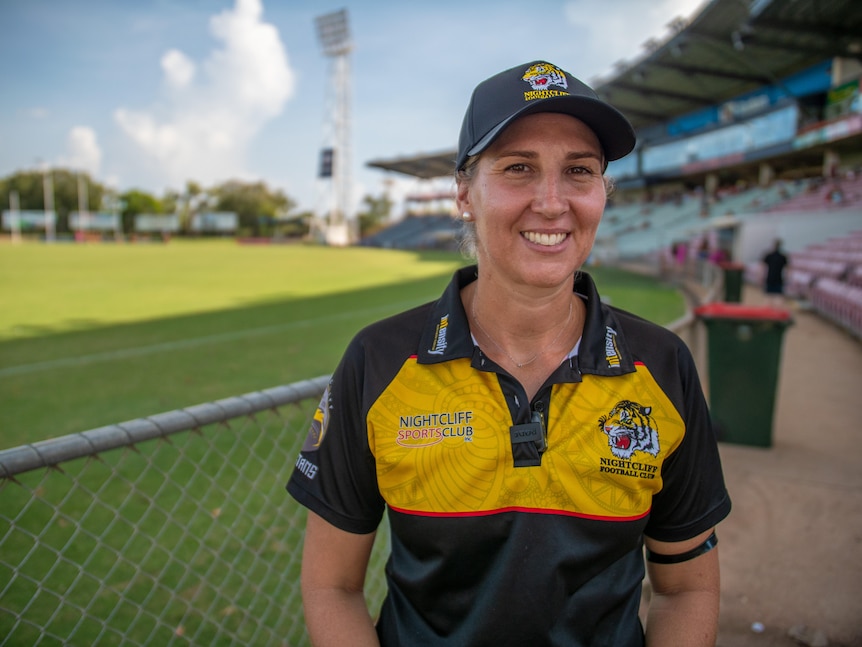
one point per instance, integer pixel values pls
(549, 199)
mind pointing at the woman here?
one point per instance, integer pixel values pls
(526, 440)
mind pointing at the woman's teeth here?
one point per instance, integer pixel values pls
(548, 240)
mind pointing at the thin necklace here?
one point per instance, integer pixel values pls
(503, 350)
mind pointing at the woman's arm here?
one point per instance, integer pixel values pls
(333, 575)
(685, 596)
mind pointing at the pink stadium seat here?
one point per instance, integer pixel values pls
(798, 283)
(840, 302)
(821, 268)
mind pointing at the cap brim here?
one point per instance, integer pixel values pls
(613, 130)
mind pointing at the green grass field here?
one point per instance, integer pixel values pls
(96, 334)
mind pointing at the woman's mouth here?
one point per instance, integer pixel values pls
(546, 240)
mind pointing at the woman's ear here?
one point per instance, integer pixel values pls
(462, 196)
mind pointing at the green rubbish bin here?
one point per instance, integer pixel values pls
(744, 355)
(733, 275)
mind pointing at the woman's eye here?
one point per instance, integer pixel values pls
(517, 168)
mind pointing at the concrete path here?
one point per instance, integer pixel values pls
(791, 550)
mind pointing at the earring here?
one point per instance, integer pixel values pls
(467, 216)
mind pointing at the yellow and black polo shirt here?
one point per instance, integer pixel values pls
(513, 521)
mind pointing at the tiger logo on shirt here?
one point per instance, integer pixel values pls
(630, 429)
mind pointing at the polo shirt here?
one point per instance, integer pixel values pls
(513, 521)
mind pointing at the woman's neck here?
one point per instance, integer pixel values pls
(524, 331)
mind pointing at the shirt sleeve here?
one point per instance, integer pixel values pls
(335, 475)
(693, 497)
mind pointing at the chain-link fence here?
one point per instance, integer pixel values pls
(169, 530)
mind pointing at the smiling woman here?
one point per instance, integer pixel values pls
(582, 423)
(536, 197)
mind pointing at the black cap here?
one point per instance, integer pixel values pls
(539, 87)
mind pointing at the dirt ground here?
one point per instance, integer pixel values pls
(791, 549)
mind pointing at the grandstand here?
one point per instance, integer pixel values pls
(432, 231)
(427, 224)
(749, 122)
(827, 276)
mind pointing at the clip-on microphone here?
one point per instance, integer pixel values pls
(529, 441)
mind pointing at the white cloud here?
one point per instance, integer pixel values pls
(83, 149)
(211, 118)
(253, 68)
(179, 69)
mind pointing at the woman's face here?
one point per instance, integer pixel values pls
(537, 196)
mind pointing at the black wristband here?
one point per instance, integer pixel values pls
(708, 544)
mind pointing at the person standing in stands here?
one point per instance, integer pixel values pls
(775, 262)
(526, 441)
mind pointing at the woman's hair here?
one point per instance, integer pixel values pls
(468, 228)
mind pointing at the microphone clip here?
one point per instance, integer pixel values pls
(529, 441)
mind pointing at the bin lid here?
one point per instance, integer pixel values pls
(731, 265)
(722, 310)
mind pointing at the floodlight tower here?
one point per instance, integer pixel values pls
(334, 36)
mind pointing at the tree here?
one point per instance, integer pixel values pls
(374, 216)
(256, 206)
(137, 202)
(170, 201)
(31, 193)
(296, 225)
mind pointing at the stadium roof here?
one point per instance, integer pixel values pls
(731, 47)
(425, 166)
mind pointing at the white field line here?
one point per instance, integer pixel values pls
(193, 342)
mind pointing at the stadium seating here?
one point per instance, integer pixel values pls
(798, 283)
(840, 302)
(820, 194)
(828, 276)
(438, 231)
(820, 267)
(644, 229)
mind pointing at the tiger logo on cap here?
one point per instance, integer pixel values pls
(542, 76)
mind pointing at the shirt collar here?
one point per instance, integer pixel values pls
(602, 351)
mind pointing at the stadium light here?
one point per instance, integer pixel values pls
(334, 36)
(333, 33)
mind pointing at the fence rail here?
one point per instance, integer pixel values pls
(173, 529)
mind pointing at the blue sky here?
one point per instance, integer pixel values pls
(151, 93)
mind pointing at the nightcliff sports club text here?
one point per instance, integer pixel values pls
(435, 427)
